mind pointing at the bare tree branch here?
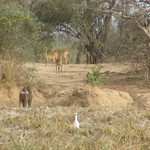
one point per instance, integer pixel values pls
(145, 1)
(139, 6)
(68, 30)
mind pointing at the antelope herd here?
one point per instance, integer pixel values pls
(56, 57)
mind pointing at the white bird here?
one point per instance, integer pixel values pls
(76, 122)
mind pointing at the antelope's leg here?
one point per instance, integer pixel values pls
(56, 68)
(61, 68)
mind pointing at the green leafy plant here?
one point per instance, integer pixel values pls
(129, 74)
(94, 77)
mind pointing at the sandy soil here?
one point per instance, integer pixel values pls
(73, 74)
(43, 122)
(55, 88)
(113, 76)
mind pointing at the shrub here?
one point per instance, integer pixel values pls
(129, 74)
(94, 77)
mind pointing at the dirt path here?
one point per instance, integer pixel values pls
(75, 74)
(71, 75)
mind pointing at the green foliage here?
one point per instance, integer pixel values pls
(130, 74)
(5, 24)
(19, 31)
(54, 12)
(94, 77)
(11, 19)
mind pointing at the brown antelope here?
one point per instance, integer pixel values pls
(62, 54)
(58, 64)
(50, 56)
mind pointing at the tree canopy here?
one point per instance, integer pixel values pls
(103, 29)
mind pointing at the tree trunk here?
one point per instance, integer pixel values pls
(94, 56)
(148, 63)
(78, 57)
(1, 49)
(36, 55)
(88, 58)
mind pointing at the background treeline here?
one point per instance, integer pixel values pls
(94, 31)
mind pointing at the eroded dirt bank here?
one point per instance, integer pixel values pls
(57, 89)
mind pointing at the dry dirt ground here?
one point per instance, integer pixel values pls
(48, 123)
(113, 76)
(56, 89)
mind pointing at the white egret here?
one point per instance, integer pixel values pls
(76, 122)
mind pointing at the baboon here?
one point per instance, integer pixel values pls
(25, 96)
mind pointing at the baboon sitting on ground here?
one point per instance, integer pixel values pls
(25, 96)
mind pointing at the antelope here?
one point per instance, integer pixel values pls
(58, 64)
(61, 53)
(50, 56)
(64, 54)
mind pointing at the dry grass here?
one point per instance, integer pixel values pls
(51, 128)
(14, 72)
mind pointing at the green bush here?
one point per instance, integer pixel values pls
(94, 77)
(129, 74)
